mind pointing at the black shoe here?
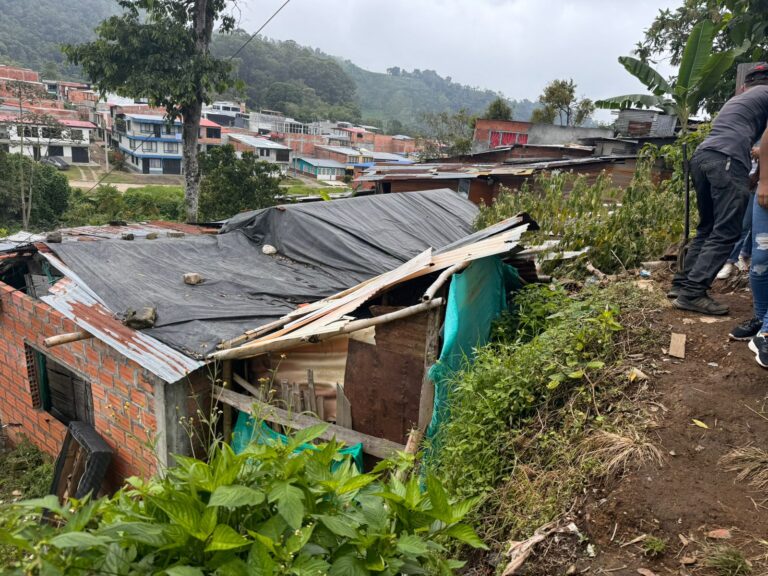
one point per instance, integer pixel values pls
(746, 329)
(701, 304)
(759, 345)
(673, 293)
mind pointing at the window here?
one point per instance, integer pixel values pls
(52, 132)
(57, 390)
(148, 146)
(264, 152)
(171, 147)
(128, 124)
(146, 128)
(155, 163)
(27, 131)
(75, 134)
(213, 132)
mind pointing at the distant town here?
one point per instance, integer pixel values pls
(67, 123)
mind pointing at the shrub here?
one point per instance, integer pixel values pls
(269, 510)
(107, 204)
(621, 228)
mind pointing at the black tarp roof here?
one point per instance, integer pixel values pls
(322, 248)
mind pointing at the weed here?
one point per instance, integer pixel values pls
(620, 452)
(728, 562)
(25, 469)
(654, 547)
(751, 463)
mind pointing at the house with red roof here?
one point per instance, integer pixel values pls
(44, 136)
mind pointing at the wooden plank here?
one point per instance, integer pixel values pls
(378, 447)
(343, 408)
(431, 352)
(677, 345)
(311, 391)
(226, 423)
(247, 385)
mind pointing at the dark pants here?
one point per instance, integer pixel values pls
(722, 193)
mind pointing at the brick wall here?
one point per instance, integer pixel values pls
(123, 392)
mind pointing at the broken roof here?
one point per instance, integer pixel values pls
(322, 248)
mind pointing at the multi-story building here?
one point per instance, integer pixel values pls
(153, 145)
(226, 113)
(263, 148)
(40, 137)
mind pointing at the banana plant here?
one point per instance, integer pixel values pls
(700, 71)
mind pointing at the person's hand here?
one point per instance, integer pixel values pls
(755, 153)
(762, 193)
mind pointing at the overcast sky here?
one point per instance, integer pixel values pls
(512, 46)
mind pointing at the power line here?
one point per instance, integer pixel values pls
(275, 13)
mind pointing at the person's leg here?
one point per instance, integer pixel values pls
(706, 219)
(746, 245)
(758, 271)
(728, 182)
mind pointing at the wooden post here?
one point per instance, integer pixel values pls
(427, 397)
(226, 376)
(66, 338)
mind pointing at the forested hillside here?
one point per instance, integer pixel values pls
(31, 31)
(279, 75)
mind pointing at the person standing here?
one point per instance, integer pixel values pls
(720, 168)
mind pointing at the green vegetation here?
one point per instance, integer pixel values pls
(653, 546)
(738, 23)
(560, 105)
(305, 190)
(25, 472)
(269, 510)
(728, 562)
(46, 193)
(32, 35)
(523, 416)
(700, 71)
(107, 204)
(231, 184)
(621, 227)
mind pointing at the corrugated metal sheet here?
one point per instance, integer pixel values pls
(79, 306)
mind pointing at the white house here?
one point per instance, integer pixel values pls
(263, 148)
(63, 137)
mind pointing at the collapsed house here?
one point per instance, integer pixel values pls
(347, 311)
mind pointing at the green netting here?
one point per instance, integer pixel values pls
(246, 432)
(476, 297)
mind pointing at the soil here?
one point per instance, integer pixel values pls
(719, 384)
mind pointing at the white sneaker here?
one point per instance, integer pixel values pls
(743, 263)
(725, 271)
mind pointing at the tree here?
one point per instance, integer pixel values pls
(739, 24)
(49, 188)
(231, 184)
(160, 50)
(499, 110)
(446, 134)
(560, 103)
(699, 73)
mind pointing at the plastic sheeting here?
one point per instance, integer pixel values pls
(323, 248)
(476, 297)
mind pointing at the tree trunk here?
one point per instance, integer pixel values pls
(191, 113)
(190, 128)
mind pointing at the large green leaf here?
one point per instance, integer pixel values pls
(412, 545)
(339, 525)
(651, 79)
(697, 51)
(236, 496)
(290, 503)
(348, 565)
(225, 538)
(630, 100)
(184, 571)
(79, 540)
(465, 533)
(709, 77)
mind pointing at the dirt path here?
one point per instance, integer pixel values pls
(719, 384)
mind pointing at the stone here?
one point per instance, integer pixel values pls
(141, 319)
(192, 278)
